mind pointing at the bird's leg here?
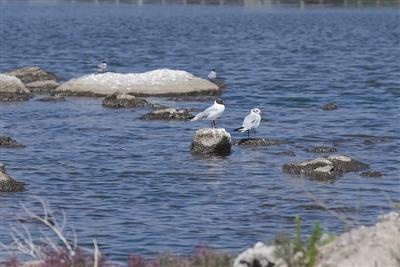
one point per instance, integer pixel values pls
(255, 133)
(213, 124)
(248, 134)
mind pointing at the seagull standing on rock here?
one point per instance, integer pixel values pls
(211, 113)
(212, 75)
(252, 121)
(102, 67)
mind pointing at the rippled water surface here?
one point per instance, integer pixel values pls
(134, 185)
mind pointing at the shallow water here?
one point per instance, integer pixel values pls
(134, 186)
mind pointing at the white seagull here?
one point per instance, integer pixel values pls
(212, 75)
(252, 121)
(211, 113)
(102, 67)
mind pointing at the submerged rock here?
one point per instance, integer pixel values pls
(211, 141)
(329, 106)
(256, 142)
(321, 149)
(42, 86)
(288, 153)
(53, 98)
(32, 74)
(12, 89)
(375, 174)
(378, 245)
(122, 100)
(260, 255)
(6, 141)
(161, 82)
(327, 168)
(8, 184)
(167, 114)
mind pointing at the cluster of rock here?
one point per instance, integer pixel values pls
(19, 84)
(326, 168)
(378, 245)
(8, 184)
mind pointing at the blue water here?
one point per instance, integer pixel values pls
(134, 185)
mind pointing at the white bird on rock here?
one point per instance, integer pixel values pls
(252, 121)
(102, 67)
(211, 113)
(212, 75)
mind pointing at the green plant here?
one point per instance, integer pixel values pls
(294, 252)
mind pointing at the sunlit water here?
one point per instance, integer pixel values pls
(135, 187)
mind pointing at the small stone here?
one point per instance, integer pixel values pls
(375, 174)
(8, 142)
(321, 149)
(167, 114)
(329, 106)
(53, 98)
(256, 142)
(122, 100)
(211, 141)
(42, 86)
(8, 184)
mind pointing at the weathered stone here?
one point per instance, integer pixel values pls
(321, 149)
(6, 141)
(161, 82)
(256, 142)
(32, 74)
(260, 255)
(122, 100)
(211, 141)
(8, 184)
(42, 86)
(167, 114)
(378, 245)
(12, 89)
(53, 98)
(329, 106)
(375, 174)
(327, 168)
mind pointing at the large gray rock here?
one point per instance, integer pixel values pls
(8, 142)
(378, 245)
(167, 114)
(32, 74)
(12, 89)
(8, 184)
(327, 168)
(161, 82)
(42, 86)
(122, 100)
(211, 141)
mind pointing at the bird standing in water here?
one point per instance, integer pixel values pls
(211, 113)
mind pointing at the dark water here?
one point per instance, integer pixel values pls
(135, 187)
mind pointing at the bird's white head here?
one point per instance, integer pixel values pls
(256, 110)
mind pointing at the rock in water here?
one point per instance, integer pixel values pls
(42, 86)
(378, 245)
(12, 89)
(321, 149)
(8, 184)
(161, 82)
(32, 74)
(167, 114)
(122, 100)
(6, 141)
(375, 174)
(211, 141)
(329, 106)
(327, 168)
(256, 142)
